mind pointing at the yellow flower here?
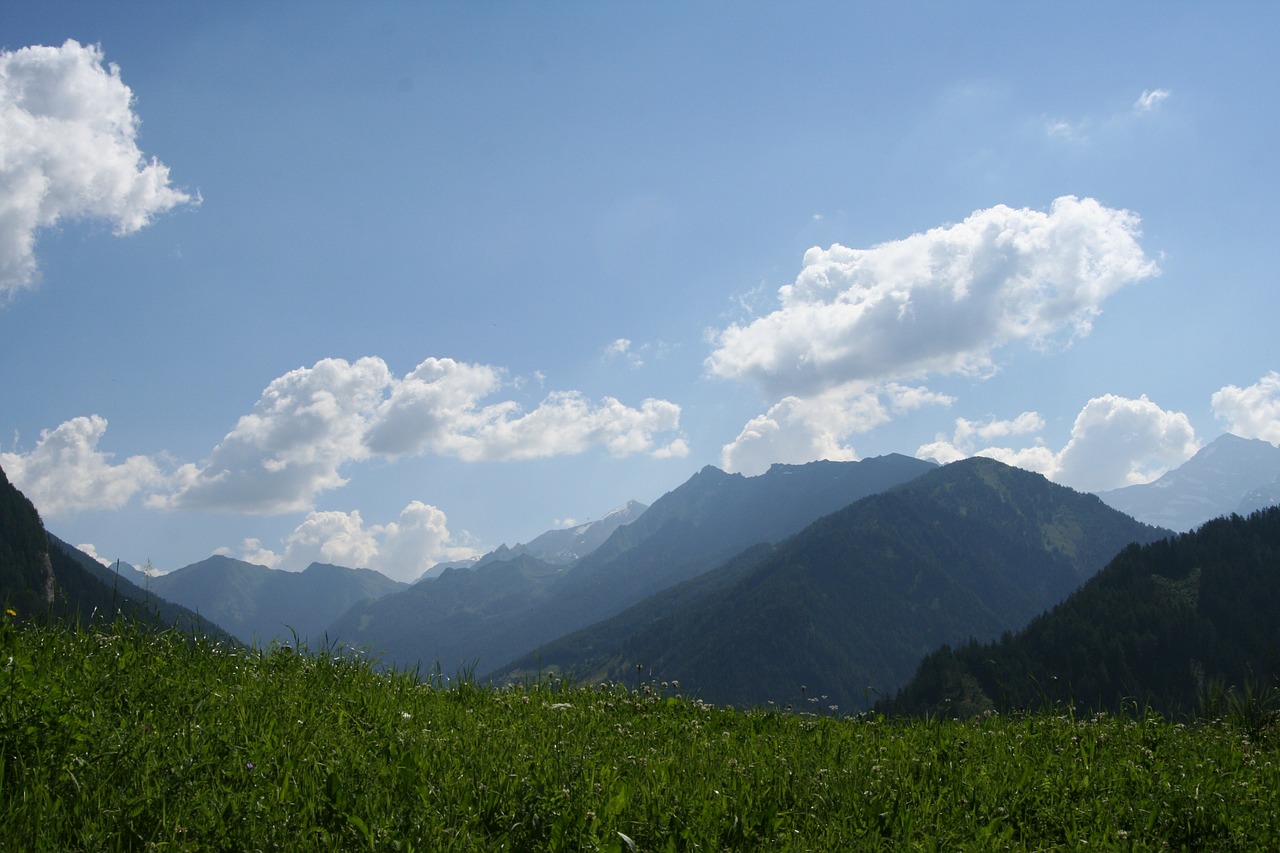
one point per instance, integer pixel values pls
(10, 611)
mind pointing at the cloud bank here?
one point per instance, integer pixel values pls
(311, 422)
(1115, 441)
(856, 322)
(68, 150)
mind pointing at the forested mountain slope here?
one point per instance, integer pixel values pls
(847, 608)
(1162, 625)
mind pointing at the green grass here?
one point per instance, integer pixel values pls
(116, 739)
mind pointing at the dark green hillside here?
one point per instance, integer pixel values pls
(43, 577)
(1164, 624)
(25, 573)
(848, 607)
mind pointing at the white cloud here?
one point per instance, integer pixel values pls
(567, 423)
(621, 348)
(311, 422)
(1115, 441)
(306, 425)
(676, 449)
(1149, 100)
(437, 408)
(67, 473)
(434, 408)
(401, 549)
(940, 302)
(857, 322)
(802, 429)
(88, 548)
(68, 150)
(1252, 412)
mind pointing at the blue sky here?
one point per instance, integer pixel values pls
(385, 284)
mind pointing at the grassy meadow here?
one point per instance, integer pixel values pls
(112, 738)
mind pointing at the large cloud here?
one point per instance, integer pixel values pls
(68, 150)
(1115, 441)
(312, 421)
(939, 302)
(66, 472)
(858, 322)
(306, 425)
(1252, 412)
(437, 407)
(401, 549)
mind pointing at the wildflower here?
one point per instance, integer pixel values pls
(406, 715)
(9, 611)
(248, 765)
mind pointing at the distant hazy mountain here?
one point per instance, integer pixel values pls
(258, 604)
(1164, 625)
(692, 529)
(455, 621)
(1228, 475)
(573, 543)
(557, 547)
(43, 577)
(848, 607)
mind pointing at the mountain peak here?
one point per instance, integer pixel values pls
(1216, 481)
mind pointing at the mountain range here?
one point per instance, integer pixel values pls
(480, 619)
(825, 584)
(845, 610)
(261, 605)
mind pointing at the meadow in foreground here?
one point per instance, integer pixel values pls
(116, 739)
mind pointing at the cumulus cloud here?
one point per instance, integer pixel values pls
(68, 150)
(67, 473)
(1115, 441)
(312, 421)
(437, 408)
(801, 429)
(940, 302)
(305, 426)
(1252, 412)
(858, 322)
(402, 549)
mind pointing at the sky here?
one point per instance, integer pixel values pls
(387, 284)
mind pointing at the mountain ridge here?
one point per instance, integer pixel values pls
(855, 601)
(260, 605)
(687, 531)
